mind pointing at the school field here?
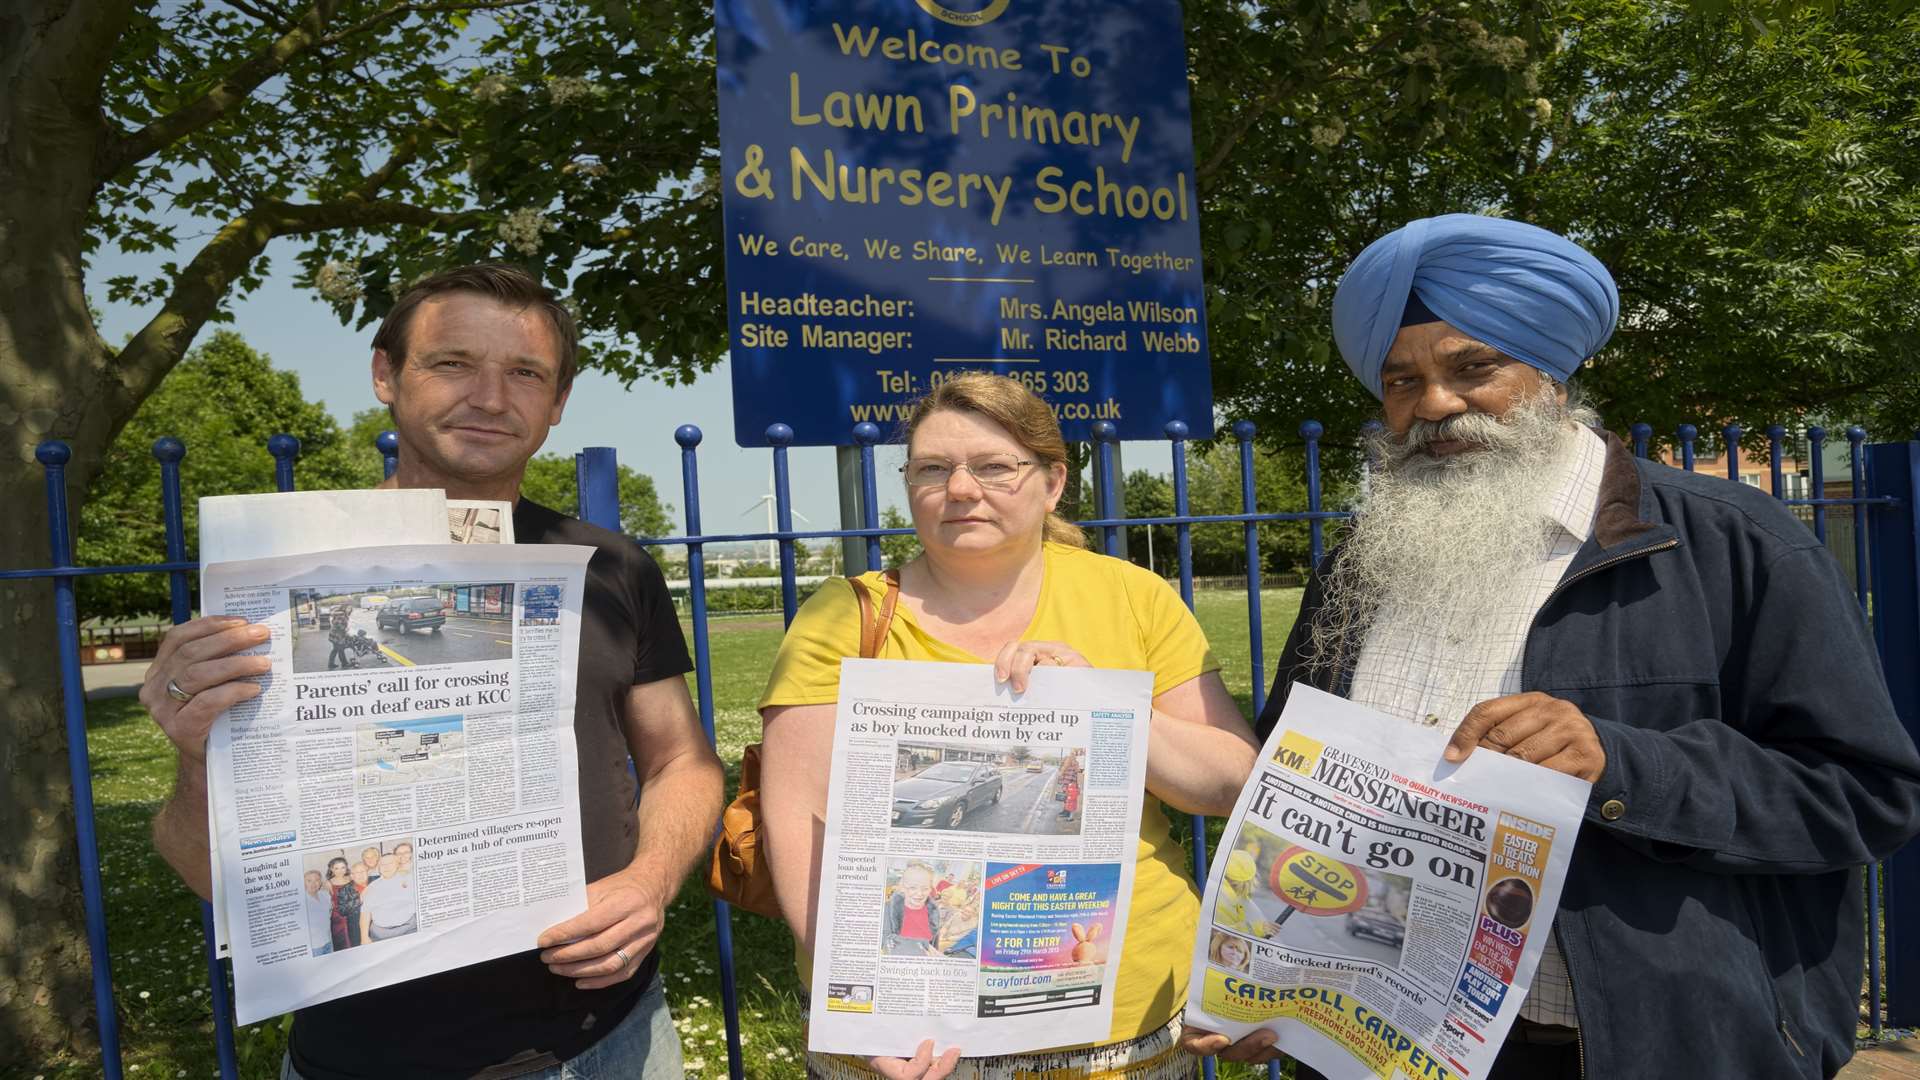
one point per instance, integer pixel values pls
(154, 923)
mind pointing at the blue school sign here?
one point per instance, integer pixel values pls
(916, 188)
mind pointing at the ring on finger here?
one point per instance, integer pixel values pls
(624, 958)
(177, 694)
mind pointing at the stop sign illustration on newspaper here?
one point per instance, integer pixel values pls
(1313, 884)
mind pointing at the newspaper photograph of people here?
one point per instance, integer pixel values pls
(1378, 908)
(979, 854)
(403, 796)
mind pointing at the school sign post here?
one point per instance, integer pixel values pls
(915, 188)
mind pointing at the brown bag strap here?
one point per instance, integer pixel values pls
(873, 628)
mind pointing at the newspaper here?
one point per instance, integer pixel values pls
(389, 812)
(979, 857)
(1379, 908)
(234, 527)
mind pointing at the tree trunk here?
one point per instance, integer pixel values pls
(57, 380)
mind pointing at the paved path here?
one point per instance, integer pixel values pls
(113, 680)
(1887, 1061)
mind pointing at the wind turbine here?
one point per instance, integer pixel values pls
(771, 502)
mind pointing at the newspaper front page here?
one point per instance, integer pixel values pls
(387, 811)
(979, 857)
(235, 527)
(1379, 908)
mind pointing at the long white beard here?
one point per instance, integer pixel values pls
(1437, 543)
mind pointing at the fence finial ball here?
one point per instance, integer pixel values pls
(168, 450)
(779, 435)
(1104, 431)
(866, 433)
(1243, 430)
(1687, 432)
(1311, 429)
(387, 442)
(1641, 431)
(53, 452)
(1177, 430)
(1856, 434)
(687, 435)
(283, 446)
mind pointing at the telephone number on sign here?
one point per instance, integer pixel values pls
(1040, 382)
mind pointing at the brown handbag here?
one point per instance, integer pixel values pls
(738, 872)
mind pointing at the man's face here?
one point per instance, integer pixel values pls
(915, 885)
(389, 864)
(371, 857)
(360, 876)
(1434, 372)
(313, 881)
(405, 851)
(478, 391)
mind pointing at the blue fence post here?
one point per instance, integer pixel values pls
(169, 452)
(865, 434)
(1687, 434)
(1893, 472)
(780, 436)
(596, 475)
(1857, 464)
(1732, 434)
(285, 450)
(1311, 430)
(53, 457)
(1776, 448)
(1817, 481)
(1640, 433)
(1243, 434)
(688, 436)
(1105, 435)
(388, 443)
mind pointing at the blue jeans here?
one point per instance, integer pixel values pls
(644, 1046)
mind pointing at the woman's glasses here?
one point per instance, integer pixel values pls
(987, 470)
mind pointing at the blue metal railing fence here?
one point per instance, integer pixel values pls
(1885, 583)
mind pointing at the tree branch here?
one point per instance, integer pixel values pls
(358, 212)
(198, 290)
(394, 11)
(225, 96)
(1225, 148)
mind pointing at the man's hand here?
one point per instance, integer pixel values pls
(1255, 1049)
(624, 914)
(198, 658)
(1533, 727)
(921, 1066)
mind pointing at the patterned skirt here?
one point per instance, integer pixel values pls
(1153, 1056)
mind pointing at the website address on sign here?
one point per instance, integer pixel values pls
(1108, 409)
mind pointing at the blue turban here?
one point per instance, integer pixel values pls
(1537, 297)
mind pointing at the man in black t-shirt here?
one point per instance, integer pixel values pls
(475, 365)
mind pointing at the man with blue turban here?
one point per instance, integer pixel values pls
(1514, 576)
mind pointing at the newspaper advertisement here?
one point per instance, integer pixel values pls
(1379, 908)
(389, 813)
(979, 857)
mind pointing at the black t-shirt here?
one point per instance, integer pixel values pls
(509, 1016)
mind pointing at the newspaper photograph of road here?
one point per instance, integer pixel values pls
(1378, 908)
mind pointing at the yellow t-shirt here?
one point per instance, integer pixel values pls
(1117, 615)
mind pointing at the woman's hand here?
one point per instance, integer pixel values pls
(1017, 659)
(1254, 1049)
(921, 1066)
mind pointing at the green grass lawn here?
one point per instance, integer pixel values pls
(154, 923)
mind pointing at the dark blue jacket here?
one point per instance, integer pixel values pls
(1712, 916)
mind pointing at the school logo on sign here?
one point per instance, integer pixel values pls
(993, 10)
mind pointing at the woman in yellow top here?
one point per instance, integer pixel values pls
(1004, 581)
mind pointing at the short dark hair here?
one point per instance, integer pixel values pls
(509, 285)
